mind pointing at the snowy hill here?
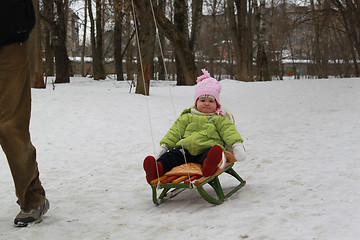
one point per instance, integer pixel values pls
(302, 138)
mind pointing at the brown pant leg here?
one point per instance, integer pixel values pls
(15, 108)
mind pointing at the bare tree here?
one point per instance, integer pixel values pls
(36, 70)
(97, 40)
(130, 49)
(181, 44)
(59, 42)
(47, 18)
(213, 34)
(83, 73)
(216, 50)
(238, 29)
(118, 15)
(161, 61)
(320, 21)
(349, 12)
(145, 27)
(276, 23)
(180, 23)
(261, 59)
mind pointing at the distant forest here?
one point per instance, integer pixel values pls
(246, 40)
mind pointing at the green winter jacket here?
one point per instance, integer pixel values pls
(200, 132)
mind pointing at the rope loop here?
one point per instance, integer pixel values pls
(166, 78)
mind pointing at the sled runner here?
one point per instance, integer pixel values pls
(177, 180)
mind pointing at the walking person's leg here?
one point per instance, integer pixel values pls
(15, 110)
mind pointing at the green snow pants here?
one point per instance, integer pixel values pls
(15, 109)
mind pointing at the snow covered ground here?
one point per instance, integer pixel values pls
(303, 170)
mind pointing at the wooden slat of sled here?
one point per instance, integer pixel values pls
(169, 179)
(179, 179)
(191, 179)
(155, 181)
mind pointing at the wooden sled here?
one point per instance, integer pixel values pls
(177, 180)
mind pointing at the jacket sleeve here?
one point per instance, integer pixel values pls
(17, 18)
(176, 132)
(228, 132)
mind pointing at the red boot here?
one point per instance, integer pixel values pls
(150, 168)
(212, 161)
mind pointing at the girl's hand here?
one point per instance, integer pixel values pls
(239, 151)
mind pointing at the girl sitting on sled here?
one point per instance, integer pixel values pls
(202, 131)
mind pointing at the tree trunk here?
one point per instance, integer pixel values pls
(92, 34)
(262, 62)
(196, 7)
(49, 54)
(83, 72)
(96, 41)
(59, 43)
(213, 36)
(320, 52)
(238, 35)
(162, 4)
(98, 62)
(325, 37)
(118, 8)
(153, 45)
(353, 55)
(250, 39)
(130, 50)
(48, 19)
(145, 28)
(180, 23)
(36, 70)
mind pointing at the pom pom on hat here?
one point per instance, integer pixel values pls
(206, 85)
(205, 75)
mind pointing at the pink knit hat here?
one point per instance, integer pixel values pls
(206, 85)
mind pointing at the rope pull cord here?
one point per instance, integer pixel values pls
(166, 76)
(180, 137)
(143, 78)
